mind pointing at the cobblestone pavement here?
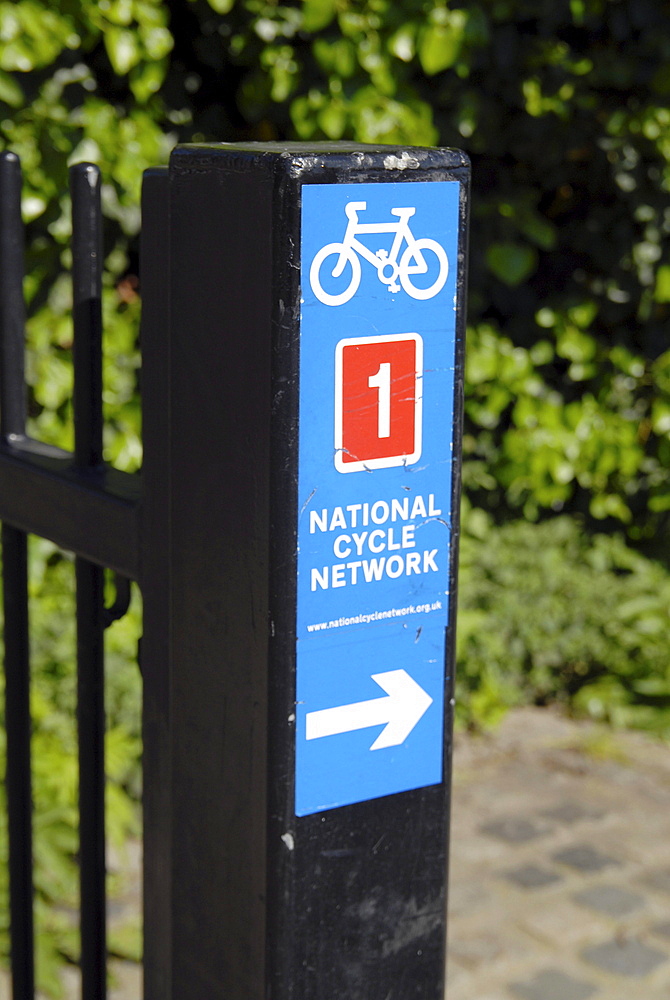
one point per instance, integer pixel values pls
(560, 863)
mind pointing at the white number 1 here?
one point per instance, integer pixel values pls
(381, 381)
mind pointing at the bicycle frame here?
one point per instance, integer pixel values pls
(354, 227)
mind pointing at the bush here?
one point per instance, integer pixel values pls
(549, 614)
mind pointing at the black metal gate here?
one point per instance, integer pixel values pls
(242, 899)
(84, 507)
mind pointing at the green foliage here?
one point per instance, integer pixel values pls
(562, 107)
(547, 613)
(529, 445)
(58, 63)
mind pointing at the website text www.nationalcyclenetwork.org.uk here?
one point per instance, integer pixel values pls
(375, 616)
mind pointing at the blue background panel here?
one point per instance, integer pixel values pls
(334, 665)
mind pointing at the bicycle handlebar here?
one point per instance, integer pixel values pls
(352, 208)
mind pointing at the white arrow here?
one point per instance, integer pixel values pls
(404, 705)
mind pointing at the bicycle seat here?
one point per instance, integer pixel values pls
(352, 209)
(403, 212)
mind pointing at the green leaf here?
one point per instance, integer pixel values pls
(119, 11)
(31, 36)
(221, 6)
(10, 92)
(511, 262)
(317, 14)
(577, 9)
(123, 49)
(303, 118)
(333, 120)
(440, 43)
(338, 57)
(377, 118)
(157, 41)
(584, 314)
(402, 44)
(610, 505)
(662, 288)
(660, 503)
(542, 352)
(147, 79)
(573, 344)
(660, 416)
(538, 229)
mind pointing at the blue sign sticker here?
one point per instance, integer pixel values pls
(377, 351)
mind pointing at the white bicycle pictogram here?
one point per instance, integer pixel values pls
(390, 270)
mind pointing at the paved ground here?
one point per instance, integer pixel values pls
(560, 867)
(560, 864)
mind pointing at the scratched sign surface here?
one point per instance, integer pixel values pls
(376, 416)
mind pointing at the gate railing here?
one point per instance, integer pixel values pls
(87, 508)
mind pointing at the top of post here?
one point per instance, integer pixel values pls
(304, 159)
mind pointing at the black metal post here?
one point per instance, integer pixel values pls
(15, 590)
(87, 264)
(299, 843)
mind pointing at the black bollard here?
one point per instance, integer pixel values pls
(302, 336)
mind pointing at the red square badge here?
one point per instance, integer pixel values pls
(378, 382)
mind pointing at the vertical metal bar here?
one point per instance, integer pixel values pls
(12, 308)
(15, 591)
(18, 778)
(87, 262)
(91, 722)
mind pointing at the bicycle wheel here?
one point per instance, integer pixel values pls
(409, 264)
(331, 298)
